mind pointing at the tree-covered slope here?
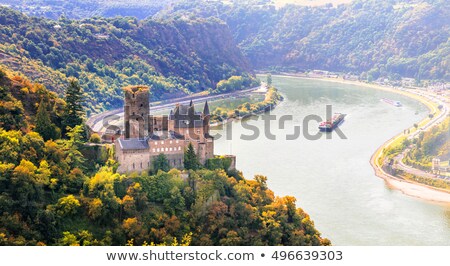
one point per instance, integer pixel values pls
(63, 191)
(388, 38)
(174, 56)
(79, 9)
(19, 101)
(382, 38)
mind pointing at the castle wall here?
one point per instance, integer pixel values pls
(133, 161)
(176, 160)
(167, 146)
(195, 134)
(158, 123)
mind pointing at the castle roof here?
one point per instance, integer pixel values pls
(133, 144)
(189, 123)
(171, 135)
(206, 109)
(181, 109)
(185, 116)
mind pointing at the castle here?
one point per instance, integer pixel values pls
(146, 136)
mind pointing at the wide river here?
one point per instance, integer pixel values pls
(332, 178)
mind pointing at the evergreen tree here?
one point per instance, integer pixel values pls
(44, 125)
(269, 80)
(73, 112)
(74, 157)
(161, 163)
(190, 158)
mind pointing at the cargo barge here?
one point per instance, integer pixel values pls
(329, 125)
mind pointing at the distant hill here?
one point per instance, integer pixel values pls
(79, 9)
(388, 38)
(174, 56)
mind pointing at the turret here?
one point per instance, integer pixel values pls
(206, 118)
(206, 109)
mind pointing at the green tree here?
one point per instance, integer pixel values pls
(73, 111)
(174, 204)
(68, 239)
(190, 158)
(44, 125)
(269, 79)
(23, 182)
(95, 207)
(74, 157)
(161, 163)
(95, 138)
(67, 206)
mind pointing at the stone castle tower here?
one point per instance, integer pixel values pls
(136, 111)
(146, 137)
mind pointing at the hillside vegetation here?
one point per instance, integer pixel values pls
(79, 9)
(64, 191)
(175, 56)
(374, 39)
(389, 38)
(430, 144)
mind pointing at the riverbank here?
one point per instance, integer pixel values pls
(407, 187)
(272, 98)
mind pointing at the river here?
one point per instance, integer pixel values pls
(332, 178)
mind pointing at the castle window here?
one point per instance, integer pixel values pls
(153, 150)
(179, 148)
(162, 142)
(170, 142)
(177, 141)
(170, 149)
(167, 149)
(142, 104)
(157, 150)
(156, 143)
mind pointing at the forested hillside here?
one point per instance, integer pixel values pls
(174, 56)
(388, 38)
(79, 9)
(56, 189)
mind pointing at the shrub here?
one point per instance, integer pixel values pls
(95, 138)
